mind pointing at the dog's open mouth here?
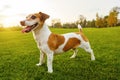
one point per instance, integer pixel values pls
(29, 28)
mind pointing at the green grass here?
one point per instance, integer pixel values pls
(19, 55)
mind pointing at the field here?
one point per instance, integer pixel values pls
(19, 55)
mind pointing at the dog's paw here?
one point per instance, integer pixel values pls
(73, 56)
(50, 71)
(92, 58)
(39, 64)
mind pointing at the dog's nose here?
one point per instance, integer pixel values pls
(22, 23)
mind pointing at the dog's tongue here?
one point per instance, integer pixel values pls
(27, 29)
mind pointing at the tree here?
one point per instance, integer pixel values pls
(91, 23)
(105, 21)
(56, 23)
(66, 25)
(73, 25)
(99, 21)
(69, 25)
(112, 18)
(115, 9)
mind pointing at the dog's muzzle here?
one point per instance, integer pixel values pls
(28, 28)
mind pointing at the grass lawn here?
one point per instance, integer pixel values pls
(19, 55)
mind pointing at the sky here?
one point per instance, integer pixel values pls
(13, 11)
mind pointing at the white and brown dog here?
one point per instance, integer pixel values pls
(50, 43)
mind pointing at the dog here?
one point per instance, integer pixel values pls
(50, 43)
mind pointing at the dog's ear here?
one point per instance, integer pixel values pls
(43, 16)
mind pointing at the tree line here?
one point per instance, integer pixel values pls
(109, 20)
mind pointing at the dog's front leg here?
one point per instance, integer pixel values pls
(41, 61)
(49, 61)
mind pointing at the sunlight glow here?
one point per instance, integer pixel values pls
(12, 12)
(11, 21)
(7, 22)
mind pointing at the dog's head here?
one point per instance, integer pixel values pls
(33, 21)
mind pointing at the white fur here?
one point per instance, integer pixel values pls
(29, 23)
(41, 37)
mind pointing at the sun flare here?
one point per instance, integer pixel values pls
(7, 22)
(10, 21)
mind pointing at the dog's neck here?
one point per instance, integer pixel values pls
(42, 32)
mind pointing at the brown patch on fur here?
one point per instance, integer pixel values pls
(22, 23)
(72, 43)
(37, 15)
(55, 40)
(43, 16)
(83, 36)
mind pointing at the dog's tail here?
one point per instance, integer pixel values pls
(80, 27)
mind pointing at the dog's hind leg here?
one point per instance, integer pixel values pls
(88, 49)
(74, 54)
(41, 60)
(91, 52)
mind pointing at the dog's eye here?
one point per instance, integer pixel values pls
(33, 17)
